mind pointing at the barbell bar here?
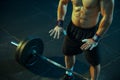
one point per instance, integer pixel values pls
(30, 50)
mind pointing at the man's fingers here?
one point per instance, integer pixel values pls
(87, 47)
(56, 32)
(58, 35)
(83, 46)
(52, 32)
(84, 40)
(92, 47)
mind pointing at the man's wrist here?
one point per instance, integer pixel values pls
(60, 23)
(96, 38)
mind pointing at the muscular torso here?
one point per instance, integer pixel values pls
(85, 13)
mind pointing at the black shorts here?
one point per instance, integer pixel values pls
(73, 41)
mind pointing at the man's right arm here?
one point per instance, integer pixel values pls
(61, 12)
(62, 9)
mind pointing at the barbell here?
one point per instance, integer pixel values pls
(30, 50)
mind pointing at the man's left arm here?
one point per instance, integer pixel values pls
(107, 8)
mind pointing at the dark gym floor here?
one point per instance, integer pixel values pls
(22, 18)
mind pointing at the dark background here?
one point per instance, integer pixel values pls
(22, 18)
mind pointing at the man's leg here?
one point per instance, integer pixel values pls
(69, 62)
(94, 72)
(93, 59)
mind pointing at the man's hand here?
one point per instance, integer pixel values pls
(88, 44)
(56, 32)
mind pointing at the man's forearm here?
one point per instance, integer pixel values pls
(107, 8)
(104, 25)
(61, 12)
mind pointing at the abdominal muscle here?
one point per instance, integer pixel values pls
(85, 18)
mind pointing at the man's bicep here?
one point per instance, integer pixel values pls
(107, 7)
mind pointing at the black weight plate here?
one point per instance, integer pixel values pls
(28, 49)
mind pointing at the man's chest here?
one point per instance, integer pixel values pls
(85, 3)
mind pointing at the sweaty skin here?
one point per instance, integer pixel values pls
(86, 13)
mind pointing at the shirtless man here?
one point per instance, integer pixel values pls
(83, 34)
